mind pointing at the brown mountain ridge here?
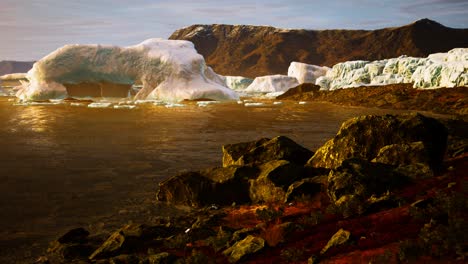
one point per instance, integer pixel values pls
(262, 50)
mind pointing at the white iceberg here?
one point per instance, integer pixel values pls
(306, 73)
(254, 104)
(168, 70)
(99, 105)
(119, 106)
(437, 70)
(272, 83)
(237, 83)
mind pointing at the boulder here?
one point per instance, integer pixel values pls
(339, 238)
(303, 188)
(264, 150)
(221, 186)
(241, 249)
(124, 259)
(300, 89)
(361, 179)
(130, 237)
(363, 137)
(273, 181)
(412, 159)
(76, 235)
(161, 258)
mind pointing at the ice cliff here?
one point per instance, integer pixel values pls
(437, 70)
(169, 70)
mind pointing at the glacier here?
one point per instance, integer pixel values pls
(168, 70)
(438, 70)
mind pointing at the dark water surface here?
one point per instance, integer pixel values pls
(62, 166)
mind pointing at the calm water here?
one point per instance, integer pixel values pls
(63, 166)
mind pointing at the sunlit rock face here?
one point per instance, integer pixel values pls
(437, 70)
(169, 70)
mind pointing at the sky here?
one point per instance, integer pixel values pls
(30, 29)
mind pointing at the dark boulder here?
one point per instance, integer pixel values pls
(299, 90)
(274, 180)
(357, 182)
(412, 159)
(363, 137)
(131, 237)
(243, 248)
(221, 186)
(264, 150)
(76, 235)
(304, 188)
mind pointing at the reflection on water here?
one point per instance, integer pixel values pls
(63, 166)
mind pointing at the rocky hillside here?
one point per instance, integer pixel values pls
(253, 51)
(7, 67)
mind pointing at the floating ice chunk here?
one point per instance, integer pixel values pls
(272, 83)
(174, 105)
(306, 73)
(273, 94)
(124, 106)
(77, 104)
(140, 101)
(158, 103)
(254, 104)
(99, 105)
(11, 100)
(302, 103)
(205, 103)
(240, 102)
(277, 103)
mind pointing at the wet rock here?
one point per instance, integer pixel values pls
(363, 137)
(264, 150)
(361, 179)
(124, 259)
(243, 248)
(299, 90)
(221, 186)
(403, 154)
(232, 153)
(130, 237)
(273, 181)
(76, 235)
(339, 238)
(303, 188)
(161, 258)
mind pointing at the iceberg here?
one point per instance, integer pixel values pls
(306, 73)
(13, 77)
(272, 83)
(237, 83)
(168, 70)
(437, 70)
